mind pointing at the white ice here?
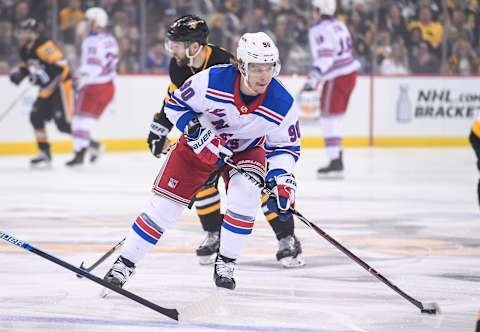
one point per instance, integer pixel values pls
(412, 214)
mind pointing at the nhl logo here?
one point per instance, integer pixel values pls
(172, 183)
(244, 109)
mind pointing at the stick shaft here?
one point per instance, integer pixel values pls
(327, 237)
(171, 313)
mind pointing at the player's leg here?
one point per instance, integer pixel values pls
(335, 96)
(474, 139)
(92, 101)
(289, 252)
(176, 184)
(243, 200)
(207, 203)
(106, 93)
(40, 114)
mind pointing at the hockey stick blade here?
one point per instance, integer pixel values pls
(170, 313)
(427, 308)
(430, 308)
(101, 259)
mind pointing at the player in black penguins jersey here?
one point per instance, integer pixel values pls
(187, 42)
(44, 64)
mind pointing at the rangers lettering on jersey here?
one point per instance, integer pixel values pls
(270, 121)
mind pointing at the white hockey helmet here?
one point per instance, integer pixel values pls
(97, 15)
(327, 7)
(257, 47)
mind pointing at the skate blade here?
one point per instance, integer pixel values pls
(42, 166)
(207, 260)
(330, 176)
(205, 307)
(97, 155)
(292, 262)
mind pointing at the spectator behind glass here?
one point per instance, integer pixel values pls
(21, 13)
(157, 60)
(383, 46)
(395, 24)
(396, 62)
(463, 61)
(217, 28)
(70, 16)
(425, 61)
(363, 54)
(432, 32)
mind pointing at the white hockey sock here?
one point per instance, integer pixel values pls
(81, 132)
(332, 128)
(233, 234)
(143, 235)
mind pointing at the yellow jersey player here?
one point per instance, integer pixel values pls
(43, 62)
(187, 42)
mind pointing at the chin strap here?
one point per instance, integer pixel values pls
(192, 57)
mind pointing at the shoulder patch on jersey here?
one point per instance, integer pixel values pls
(49, 52)
(278, 99)
(218, 76)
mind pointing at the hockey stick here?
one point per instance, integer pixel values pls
(170, 313)
(427, 308)
(14, 102)
(101, 259)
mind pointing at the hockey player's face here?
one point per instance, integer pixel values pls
(260, 75)
(178, 51)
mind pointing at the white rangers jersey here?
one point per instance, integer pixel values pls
(213, 96)
(99, 59)
(331, 48)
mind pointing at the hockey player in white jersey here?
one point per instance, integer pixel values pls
(334, 72)
(95, 81)
(244, 113)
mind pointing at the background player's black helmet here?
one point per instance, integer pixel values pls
(189, 28)
(29, 24)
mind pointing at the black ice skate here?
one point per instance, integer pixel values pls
(44, 160)
(223, 272)
(334, 170)
(77, 158)
(96, 150)
(208, 249)
(289, 252)
(119, 274)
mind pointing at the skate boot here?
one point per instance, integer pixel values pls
(208, 249)
(334, 170)
(223, 272)
(118, 275)
(43, 160)
(96, 150)
(289, 252)
(77, 158)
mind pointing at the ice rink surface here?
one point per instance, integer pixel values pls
(410, 213)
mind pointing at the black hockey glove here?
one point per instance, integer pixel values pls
(17, 75)
(157, 138)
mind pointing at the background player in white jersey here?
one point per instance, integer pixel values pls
(335, 71)
(187, 41)
(223, 111)
(95, 77)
